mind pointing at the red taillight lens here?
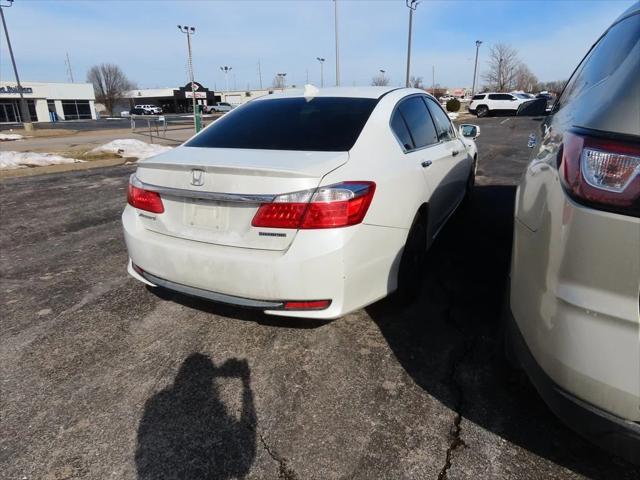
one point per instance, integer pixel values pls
(338, 205)
(144, 199)
(307, 305)
(601, 171)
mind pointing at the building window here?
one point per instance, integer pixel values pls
(76, 109)
(10, 111)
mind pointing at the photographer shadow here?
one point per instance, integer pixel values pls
(186, 430)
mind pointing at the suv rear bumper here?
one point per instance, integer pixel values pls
(616, 435)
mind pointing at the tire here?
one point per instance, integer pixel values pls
(482, 111)
(411, 270)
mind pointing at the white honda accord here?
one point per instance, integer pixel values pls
(306, 204)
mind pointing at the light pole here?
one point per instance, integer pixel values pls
(382, 72)
(191, 31)
(321, 61)
(282, 80)
(412, 5)
(24, 110)
(475, 68)
(335, 14)
(226, 71)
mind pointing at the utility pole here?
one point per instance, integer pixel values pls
(259, 74)
(321, 61)
(24, 109)
(475, 68)
(412, 5)
(335, 14)
(283, 81)
(433, 79)
(196, 115)
(69, 71)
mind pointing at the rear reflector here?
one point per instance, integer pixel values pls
(144, 199)
(602, 172)
(338, 205)
(307, 305)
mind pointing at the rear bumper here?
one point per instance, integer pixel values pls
(352, 267)
(617, 435)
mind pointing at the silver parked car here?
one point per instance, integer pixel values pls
(573, 323)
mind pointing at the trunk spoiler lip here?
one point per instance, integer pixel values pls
(202, 195)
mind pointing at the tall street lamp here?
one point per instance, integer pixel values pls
(412, 5)
(321, 61)
(335, 15)
(24, 110)
(226, 71)
(382, 72)
(475, 68)
(196, 117)
(282, 80)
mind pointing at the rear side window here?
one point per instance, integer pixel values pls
(441, 119)
(478, 97)
(327, 124)
(618, 45)
(399, 127)
(500, 96)
(418, 120)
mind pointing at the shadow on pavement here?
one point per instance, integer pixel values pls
(187, 432)
(450, 342)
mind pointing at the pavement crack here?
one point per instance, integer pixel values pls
(456, 441)
(285, 472)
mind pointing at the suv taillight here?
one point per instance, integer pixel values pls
(338, 205)
(602, 172)
(143, 199)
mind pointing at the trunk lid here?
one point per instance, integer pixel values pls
(211, 195)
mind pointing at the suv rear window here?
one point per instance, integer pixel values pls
(500, 96)
(327, 124)
(478, 97)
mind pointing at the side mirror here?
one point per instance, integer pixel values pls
(469, 131)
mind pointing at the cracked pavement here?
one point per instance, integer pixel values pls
(102, 378)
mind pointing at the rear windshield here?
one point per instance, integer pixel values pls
(329, 124)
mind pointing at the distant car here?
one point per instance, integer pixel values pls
(139, 111)
(327, 205)
(484, 104)
(524, 95)
(572, 320)
(125, 113)
(446, 98)
(150, 109)
(219, 107)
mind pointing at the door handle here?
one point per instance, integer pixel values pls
(455, 152)
(426, 163)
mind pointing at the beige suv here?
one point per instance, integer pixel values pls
(573, 323)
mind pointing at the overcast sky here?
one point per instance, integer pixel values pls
(287, 36)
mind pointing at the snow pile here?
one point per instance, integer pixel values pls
(127, 147)
(5, 137)
(32, 159)
(452, 115)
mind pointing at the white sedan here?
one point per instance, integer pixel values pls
(307, 204)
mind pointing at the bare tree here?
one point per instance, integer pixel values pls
(380, 80)
(554, 87)
(503, 67)
(416, 82)
(525, 80)
(110, 84)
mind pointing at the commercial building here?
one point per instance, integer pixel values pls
(47, 101)
(171, 100)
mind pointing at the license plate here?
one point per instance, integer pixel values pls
(206, 215)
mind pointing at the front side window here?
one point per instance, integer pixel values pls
(441, 119)
(419, 122)
(326, 124)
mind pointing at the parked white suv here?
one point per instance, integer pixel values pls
(484, 104)
(219, 107)
(150, 109)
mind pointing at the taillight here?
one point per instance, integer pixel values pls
(306, 305)
(144, 199)
(338, 205)
(602, 172)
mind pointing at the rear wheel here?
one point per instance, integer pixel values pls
(411, 269)
(482, 111)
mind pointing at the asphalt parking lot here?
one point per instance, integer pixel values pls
(102, 378)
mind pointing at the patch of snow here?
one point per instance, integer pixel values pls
(32, 159)
(452, 115)
(6, 137)
(129, 147)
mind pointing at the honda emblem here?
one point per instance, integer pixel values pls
(197, 177)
